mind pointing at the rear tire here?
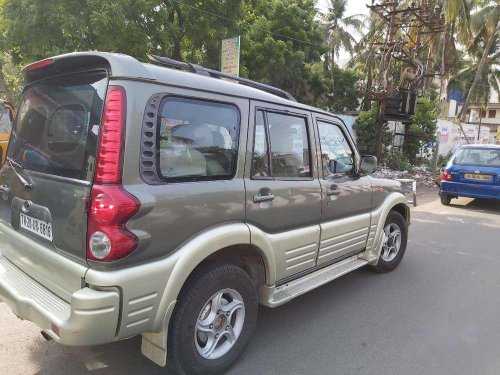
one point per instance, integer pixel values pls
(394, 245)
(445, 199)
(213, 320)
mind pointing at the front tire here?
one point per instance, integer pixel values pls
(213, 320)
(394, 245)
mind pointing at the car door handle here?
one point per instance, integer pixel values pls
(331, 192)
(262, 198)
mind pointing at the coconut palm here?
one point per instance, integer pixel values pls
(486, 29)
(457, 29)
(339, 28)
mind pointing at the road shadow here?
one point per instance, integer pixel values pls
(352, 314)
(478, 205)
(124, 357)
(330, 303)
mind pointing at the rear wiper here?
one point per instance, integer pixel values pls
(15, 164)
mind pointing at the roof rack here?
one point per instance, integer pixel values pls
(197, 69)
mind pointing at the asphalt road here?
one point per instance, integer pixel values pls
(437, 313)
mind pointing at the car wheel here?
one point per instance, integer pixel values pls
(394, 243)
(213, 320)
(445, 199)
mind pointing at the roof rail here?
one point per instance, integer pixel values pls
(197, 69)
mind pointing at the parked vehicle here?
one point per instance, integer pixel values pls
(144, 200)
(7, 115)
(473, 171)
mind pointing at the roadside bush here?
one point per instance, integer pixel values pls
(443, 160)
(366, 134)
(423, 128)
(397, 161)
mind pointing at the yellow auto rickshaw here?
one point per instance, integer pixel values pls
(7, 115)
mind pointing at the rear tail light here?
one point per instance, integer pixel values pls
(112, 135)
(111, 207)
(446, 176)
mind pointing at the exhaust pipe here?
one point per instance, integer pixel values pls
(46, 336)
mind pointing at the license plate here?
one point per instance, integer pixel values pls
(478, 177)
(39, 227)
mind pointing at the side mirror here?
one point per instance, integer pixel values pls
(368, 164)
(332, 166)
(341, 165)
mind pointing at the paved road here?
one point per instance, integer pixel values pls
(438, 313)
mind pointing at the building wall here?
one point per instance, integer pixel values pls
(451, 137)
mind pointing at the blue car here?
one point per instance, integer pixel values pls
(473, 171)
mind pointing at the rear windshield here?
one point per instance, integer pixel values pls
(485, 157)
(57, 126)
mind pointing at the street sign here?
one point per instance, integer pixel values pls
(230, 56)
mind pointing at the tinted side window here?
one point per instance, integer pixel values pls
(198, 140)
(289, 145)
(287, 137)
(336, 149)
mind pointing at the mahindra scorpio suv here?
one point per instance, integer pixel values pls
(168, 201)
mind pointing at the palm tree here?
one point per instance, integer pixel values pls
(365, 54)
(338, 30)
(486, 26)
(457, 29)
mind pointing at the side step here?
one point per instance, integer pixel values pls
(272, 296)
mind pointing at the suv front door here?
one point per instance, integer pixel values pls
(283, 194)
(346, 195)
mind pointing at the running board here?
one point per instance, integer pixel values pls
(273, 296)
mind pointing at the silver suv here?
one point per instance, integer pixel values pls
(141, 199)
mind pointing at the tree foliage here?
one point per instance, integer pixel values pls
(346, 93)
(366, 127)
(423, 127)
(283, 61)
(282, 41)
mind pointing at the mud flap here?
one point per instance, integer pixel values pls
(154, 347)
(154, 344)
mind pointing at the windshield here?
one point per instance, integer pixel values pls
(57, 126)
(485, 157)
(5, 120)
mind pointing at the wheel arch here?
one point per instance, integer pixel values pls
(228, 243)
(393, 202)
(404, 210)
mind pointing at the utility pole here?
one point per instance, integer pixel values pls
(409, 28)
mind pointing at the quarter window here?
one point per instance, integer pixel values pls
(336, 153)
(287, 138)
(198, 140)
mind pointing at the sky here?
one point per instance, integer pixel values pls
(353, 7)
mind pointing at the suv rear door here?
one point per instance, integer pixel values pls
(282, 188)
(46, 179)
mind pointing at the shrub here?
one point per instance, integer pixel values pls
(366, 131)
(397, 161)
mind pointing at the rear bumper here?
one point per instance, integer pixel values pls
(90, 319)
(470, 190)
(88, 306)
